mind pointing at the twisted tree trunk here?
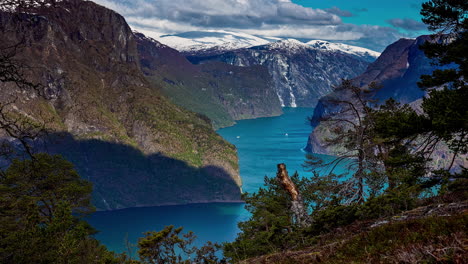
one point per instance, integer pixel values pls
(297, 204)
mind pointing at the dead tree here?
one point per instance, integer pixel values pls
(297, 204)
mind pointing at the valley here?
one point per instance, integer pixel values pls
(171, 131)
(257, 141)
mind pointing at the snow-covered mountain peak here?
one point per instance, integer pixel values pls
(354, 50)
(288, 44)
(212, 40)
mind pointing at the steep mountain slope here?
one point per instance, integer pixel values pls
(301, 73)
(222, 92)
(388, 70)
(134, 145)
(398, 70)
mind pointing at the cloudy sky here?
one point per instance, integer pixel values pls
(367, 23)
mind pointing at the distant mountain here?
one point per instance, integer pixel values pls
(222, 92)
(302, 73)
(212, 40)
(364, 53)
(219, 41)
(120, 131)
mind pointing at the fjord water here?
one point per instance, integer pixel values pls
(262, 143)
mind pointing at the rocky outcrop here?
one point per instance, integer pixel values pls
(301, 74)
(223, 92)
(137, 147)
(397, 70)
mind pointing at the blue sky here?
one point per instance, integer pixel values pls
(367, 23)
(373, 12)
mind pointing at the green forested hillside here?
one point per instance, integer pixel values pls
(102, 113)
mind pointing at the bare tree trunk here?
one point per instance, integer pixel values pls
(360, 176)
(297, 204)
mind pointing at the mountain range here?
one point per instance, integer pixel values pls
(228, 76)
(221, 40)
(301, 72)
(223, 92)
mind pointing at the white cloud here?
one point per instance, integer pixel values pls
(339, 12)
(407, 24)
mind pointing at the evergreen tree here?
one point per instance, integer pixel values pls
(168, 246)
(396, 137)
(447, 108)
(351, 128)
(271, 226)
(42, 205)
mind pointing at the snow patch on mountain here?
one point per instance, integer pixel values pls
(150, 39)
(291, 45)
(218, 40)
(354, 50)
(222, 40)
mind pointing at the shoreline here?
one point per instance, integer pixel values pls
(260, 117)
(175, 204)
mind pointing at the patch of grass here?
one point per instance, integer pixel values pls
(391, 243)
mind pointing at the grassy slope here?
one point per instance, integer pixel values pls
(436, 233)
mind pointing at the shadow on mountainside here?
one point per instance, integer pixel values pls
(123, 176)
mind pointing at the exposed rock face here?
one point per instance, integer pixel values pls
(137, 148)
(301, 74)
(398, 70)
(222, 92)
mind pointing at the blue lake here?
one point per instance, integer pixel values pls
(262, 143)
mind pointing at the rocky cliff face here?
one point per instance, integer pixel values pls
(301, 74)
(222, 92)
(398, 70)
(137, 148)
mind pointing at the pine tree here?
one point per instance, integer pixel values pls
(447, 108)
(351, 129)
